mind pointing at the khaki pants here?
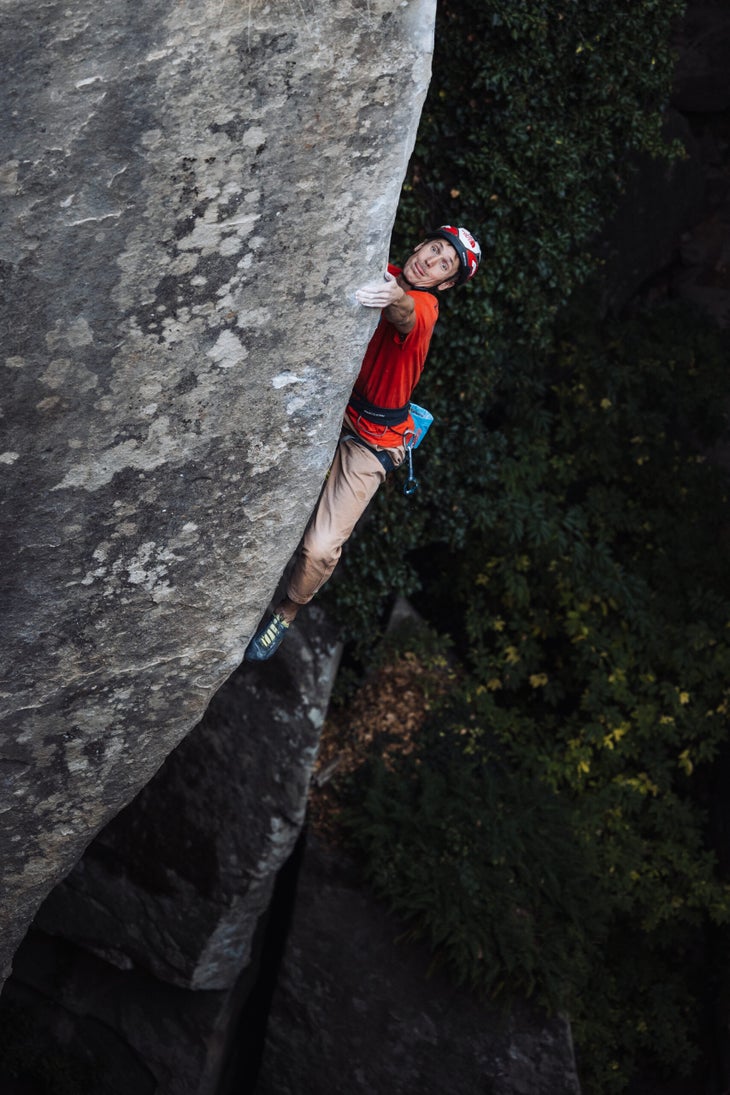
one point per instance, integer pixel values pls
(352, 482)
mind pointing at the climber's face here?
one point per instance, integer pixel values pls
(434, 264)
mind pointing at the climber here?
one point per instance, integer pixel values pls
(377, 418)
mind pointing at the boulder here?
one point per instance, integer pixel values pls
(139, 963)
(193, 191)
(78, 1026)
(176, 883)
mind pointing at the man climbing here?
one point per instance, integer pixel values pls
(377, 418)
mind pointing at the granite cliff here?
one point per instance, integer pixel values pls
(192, 193)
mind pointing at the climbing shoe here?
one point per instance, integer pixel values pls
(267, 639)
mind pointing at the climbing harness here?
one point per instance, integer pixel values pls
(381, 416)
(422, 419)
(382, 455)
(392, 416)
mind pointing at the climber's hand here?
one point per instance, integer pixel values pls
(380, 294)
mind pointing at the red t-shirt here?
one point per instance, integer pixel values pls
(392, 367)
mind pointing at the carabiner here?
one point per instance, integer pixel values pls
(411, 484)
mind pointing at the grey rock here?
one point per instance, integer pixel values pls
(357, 1011)
(131, 1034)
(173, 893)
(192, 193)
(176, 883)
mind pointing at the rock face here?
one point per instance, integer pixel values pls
(176, 883)
(193, 191)
(170, 895)
(115, 1032)
(355, 1011)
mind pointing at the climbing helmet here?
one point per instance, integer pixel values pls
(466, 248)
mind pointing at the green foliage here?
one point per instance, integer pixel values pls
(591, 608)
(503, 878)
(597, 609)
(480, 862)
(569, 527)
(593, 593)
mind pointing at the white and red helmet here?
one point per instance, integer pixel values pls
(466, 248)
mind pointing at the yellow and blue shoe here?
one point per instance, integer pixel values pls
(267, 639)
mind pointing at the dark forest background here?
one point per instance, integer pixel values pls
(556, 827)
